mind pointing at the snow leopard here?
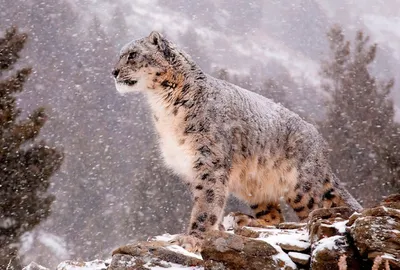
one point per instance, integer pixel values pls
(221, 139)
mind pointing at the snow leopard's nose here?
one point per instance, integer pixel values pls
(115, 72)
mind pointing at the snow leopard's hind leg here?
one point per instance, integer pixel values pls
(327, 192)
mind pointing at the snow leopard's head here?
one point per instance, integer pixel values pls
(148, 63)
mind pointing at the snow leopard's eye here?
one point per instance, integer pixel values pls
(132, 55)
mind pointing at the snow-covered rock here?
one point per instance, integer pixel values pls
(34, 266)
(332, 239)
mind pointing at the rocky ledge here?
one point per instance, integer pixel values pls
(332, 239)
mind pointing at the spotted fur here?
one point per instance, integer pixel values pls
(223, 139)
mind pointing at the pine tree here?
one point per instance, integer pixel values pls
(360, 123)
(25, 165)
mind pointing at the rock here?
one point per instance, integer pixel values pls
(291, 225)
(392, 201)
(243, 231)
(296, 246)
(377, 233)
(353, 218)
(328, 213)
(155, 253)
(329, 253)
(236, 252)
(34, 266)
(328, 222)
(340, 240)
(299, 258)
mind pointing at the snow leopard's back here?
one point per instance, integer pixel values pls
(276, 153)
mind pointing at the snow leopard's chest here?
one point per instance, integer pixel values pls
(177, 153)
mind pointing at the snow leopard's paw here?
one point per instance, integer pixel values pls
(188, 242)
(240, 219)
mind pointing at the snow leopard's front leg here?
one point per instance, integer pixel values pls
(210, 192)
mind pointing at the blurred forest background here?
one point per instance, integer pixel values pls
(112, 186)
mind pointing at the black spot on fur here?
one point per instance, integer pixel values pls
(216, 162)
(168, 54)
(306, 187)
(199, 187)
(273, 216)
(297, 186)
(278, 163)
(165, 83)
(201, 127)
(310, 203)
(205, 176)
(212, 180)
(190, 129)
(223, 181)
(213, 219)
(254, 206)
(262, 213)
(180, 102)
(194, 226)
(202, 229)
(185, 88)
(175, 111)
(198, 164)
(210, 195)
(244, 148)
(202, 217)
(329, 195)
(194, 233)
(204, 150)
(298, 209)
(158, 73)
(261, 160)
(221, 202)
(298, 198)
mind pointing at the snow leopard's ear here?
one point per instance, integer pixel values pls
(156, 38)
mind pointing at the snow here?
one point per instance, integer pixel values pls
(391, 221)
(7, 223)
(55, 243)
(340, 226)
(298, 255)
(286, 239)
(181, 250)
(282, 256)
(390, 257)
(93, 265)
(34, 266)
(228, 222)
(178, 249)
(327, 243)
(166, 237)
